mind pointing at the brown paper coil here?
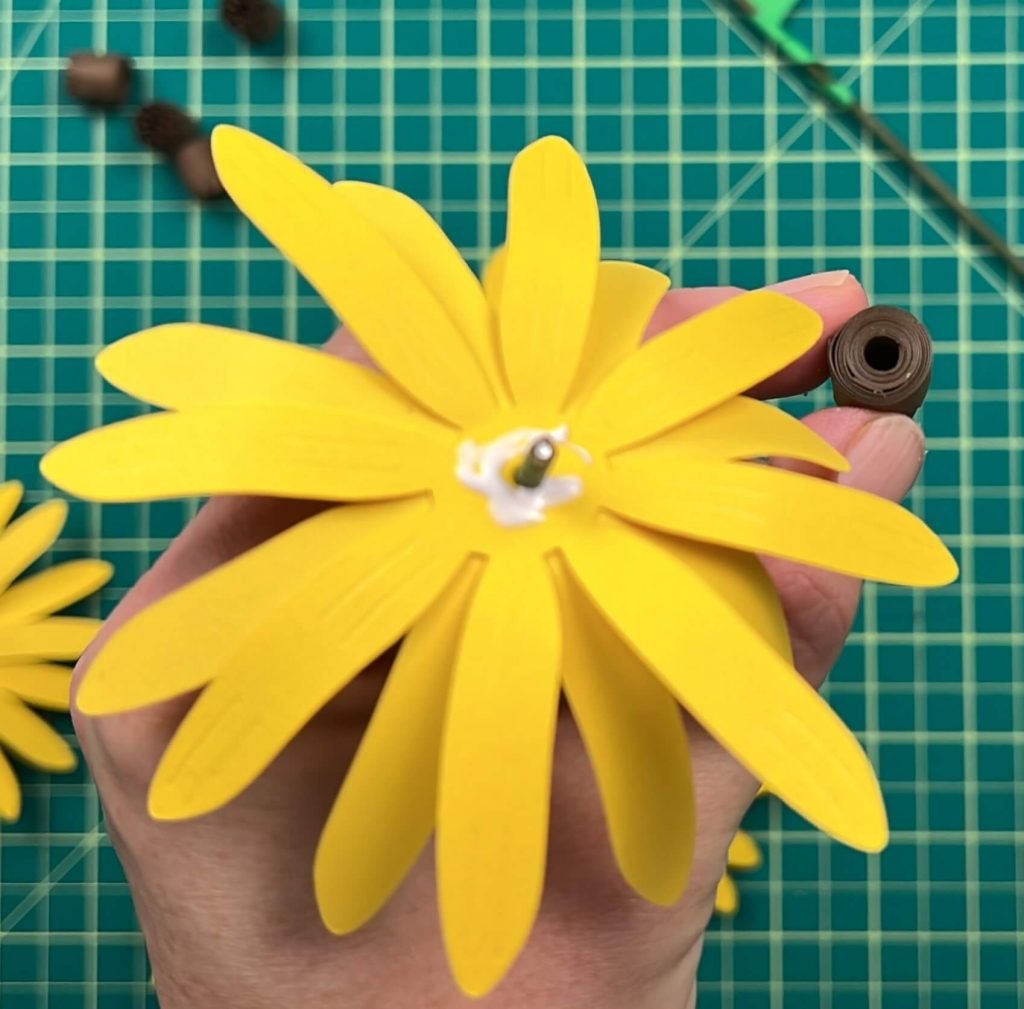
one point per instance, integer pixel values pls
(258, 21)
(882, 360)
(99, 78)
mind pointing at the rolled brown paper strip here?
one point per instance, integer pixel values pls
(194, 162)
(882, 360)
(99, 78)
(164, 127)
(258, 21)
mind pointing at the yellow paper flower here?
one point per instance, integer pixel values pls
(624, 577)
(33, 640)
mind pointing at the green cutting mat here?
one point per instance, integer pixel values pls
(709, 161)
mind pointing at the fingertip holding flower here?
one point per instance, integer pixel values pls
(497, 617)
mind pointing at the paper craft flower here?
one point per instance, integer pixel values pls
(743, 854)
(33, 640)
(533, 501)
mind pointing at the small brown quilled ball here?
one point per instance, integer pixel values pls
(881, 360)
(164, 127)
(195, 166)
(258, 21)
(99, 78)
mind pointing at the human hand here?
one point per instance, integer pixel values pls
(226, 901)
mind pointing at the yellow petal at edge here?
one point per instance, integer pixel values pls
(353, 604)
(53, 589)
(359, 273)
(733, 682)
(40, 684)
(32, 738)
(428, 250)
(727, 897)
(550, 272)
(11, 493)
(384, 814)
(188, 364)
(633, 731)
(27, 538)
(50, 638)
(252, 448)
(494, 277)
(10, 791)
(745, 428)
(772, 511)
(624, 301)
(496, 760)
(744, 852)
(697, 365)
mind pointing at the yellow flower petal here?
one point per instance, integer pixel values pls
(10, 497)
(351, 605)
(494, 277)
(697, 365)
(52, 638)
(27, 538)
(744, 852)
(53, 589)
(773, 511)
(553, 248)
(10, 791)
(188, 364)
(745, 428)
(428, 250)
(359, 273)
(32, 738)
(737, 686)
(39, 684)
(495, 785)
(252, 448)
(385, 812)
(727, 898)
(625, 299)
(633, 731)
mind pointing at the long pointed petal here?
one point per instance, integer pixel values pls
(494, 277)
(39, 684)
(348, 610)
(743, 852)
(385, 812)
(495, 791)
(431, 254)
(772, 511)
(625, 299)
(359, 273)
(727, 897)
(733, 682)
(188, 364)
(10, 497)
(32, 738)
(53, 589)
(252, 448)
(633, 731)
(553, 249)
(10, 791)
(60, 638)
(697, 365)
(745, 428)
(27, 538)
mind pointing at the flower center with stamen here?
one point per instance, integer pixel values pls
(522, 497)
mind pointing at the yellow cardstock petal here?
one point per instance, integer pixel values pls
(40, 684)
(348, 609)
(494, 277)
(10, 791)
(633, 731)
(697, 365)
(53, 589)
(744, 852)
(738, 687)
(27, 538)
(359, 273)
(785, 514)
(727, 898)
(10, 497)
(495, 789)
(183, 365)
(627, 295)
(553, 249)
(52, 638)
(31, 738)
(745, 428)
(385, 812)
(252, 448)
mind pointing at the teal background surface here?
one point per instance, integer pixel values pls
(712, 162)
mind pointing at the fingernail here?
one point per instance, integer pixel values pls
(886, 457)
(798, 285)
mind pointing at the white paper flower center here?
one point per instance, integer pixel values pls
(482, 468)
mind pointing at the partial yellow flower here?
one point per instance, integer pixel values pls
(533, 501)
(33, 640)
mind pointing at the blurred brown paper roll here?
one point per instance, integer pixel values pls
(171, 131)
(99, 78)
(881, 360)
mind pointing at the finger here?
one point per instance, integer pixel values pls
(885, 453)
(835, 296)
